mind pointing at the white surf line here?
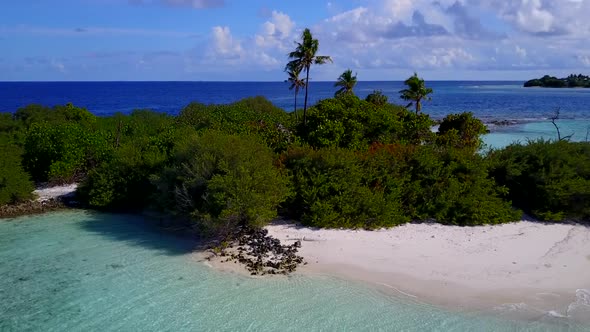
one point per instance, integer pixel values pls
(398, 290)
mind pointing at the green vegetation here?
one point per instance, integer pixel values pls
(15, 183)
(333, 189)
(415, 92)
(572, 81)
(346, 82)
(461, 131)
(302, 58)
(352, 123)
(548, 179)
(377, 97)
(222, 181)
(357, 164)
(296, 83)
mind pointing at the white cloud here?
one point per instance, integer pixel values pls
(278, 32)
(442, 58)
(585, 60)
(452, 35)
(542, 17)
(520, 51)
(384, 38)
(532, 17)
(381, 39)
(223, 43)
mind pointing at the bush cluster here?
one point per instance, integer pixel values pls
(547, 179)
(222, 181)
(356, 164)
(15, 183)
(332, 188)
(351, 123)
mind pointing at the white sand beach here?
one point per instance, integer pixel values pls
(45, 194)
(545, 267)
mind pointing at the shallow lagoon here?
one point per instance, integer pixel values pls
(84, 271)
(503, 136)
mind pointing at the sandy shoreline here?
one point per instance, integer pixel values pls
(534, 267)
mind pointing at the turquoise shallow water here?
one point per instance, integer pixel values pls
(503, 136)
(84, 271)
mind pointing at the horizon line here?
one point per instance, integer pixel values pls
(221, 81)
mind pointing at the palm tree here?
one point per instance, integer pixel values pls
(296, 83)
(416, 92)
(303, 57)
(346, 82)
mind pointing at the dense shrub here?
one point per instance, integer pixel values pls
(123, 182)
(11, 130)
(57, 115)
(61, 153)
(331, 189)
(15, 183)
(550, 180)
(255, 116)
(352, 123)
(362, 165)
(222, 180)
(377, 97)
(391, 184)
(448, 186)
(461, 131)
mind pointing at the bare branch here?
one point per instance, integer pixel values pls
(553, 119)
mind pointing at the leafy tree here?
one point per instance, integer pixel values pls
(346, 82)
(15, 183)
(222, 181)
(63, 152)
(547, 179)
(415, 92)
(377, 97)
(572, 81)
(449, 186)
(256, 116)
(303, 57)
(296, 83)
(123, 183)
(332, 189)
(461, 131)
(143, 143)
(59, 114)
(349, 122)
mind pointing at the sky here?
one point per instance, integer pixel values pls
(248, 40)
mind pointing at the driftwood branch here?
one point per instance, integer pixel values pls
(554, 118)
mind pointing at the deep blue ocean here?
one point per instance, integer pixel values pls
(527, 109)
(487, 100)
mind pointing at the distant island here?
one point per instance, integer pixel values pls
(572, 81)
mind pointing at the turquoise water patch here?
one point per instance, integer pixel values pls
(503, 136)
(84, 271)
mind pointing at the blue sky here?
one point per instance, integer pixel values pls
(247, 40)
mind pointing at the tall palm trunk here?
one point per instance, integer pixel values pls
(305, 102)
(295, 106)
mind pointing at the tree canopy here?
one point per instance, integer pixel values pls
(415, 92)
(572, 81)
(346, 82)
(305, 55)
(296, 83)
